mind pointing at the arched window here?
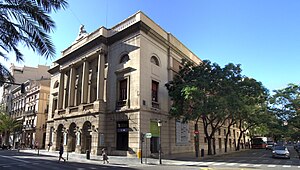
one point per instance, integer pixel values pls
(56, 84)
(154, 60)
(124, 58)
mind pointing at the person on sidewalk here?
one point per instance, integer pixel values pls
(104, 156)
(61, 151)
(49, 145)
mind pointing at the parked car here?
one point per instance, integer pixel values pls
(280, 152)
(270, 145)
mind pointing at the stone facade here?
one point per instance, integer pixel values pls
(108, 88)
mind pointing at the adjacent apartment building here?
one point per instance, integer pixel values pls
(108, 88)
(29, 108)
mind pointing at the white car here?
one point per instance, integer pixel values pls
(280, 152)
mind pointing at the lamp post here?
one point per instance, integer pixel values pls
(159, 124)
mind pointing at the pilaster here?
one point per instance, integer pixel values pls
(100, 76)
(85, 81)
(72, 86)
(61, 91)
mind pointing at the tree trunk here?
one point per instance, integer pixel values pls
(214, 145)
(196, 140)
(209, 148)
(6, 138)
(239, 141)
(226, 142)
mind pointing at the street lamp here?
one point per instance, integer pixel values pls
(159, 124)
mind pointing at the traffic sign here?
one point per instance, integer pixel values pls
(148, 135)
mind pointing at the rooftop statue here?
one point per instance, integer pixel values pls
(82, 33)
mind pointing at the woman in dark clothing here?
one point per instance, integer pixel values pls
(61, 151)
(104, 156)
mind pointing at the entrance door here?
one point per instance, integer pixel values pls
(122, 135)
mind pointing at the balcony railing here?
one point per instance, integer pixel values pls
(155, 105)
(30, 112)
(28, 127)
(121, 103)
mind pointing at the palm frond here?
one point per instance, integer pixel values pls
(5, 75)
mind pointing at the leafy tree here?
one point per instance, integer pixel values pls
(285, 104)
(8, 125)
(234, 104)
(253, 112)
(201, 93)
(26, 22)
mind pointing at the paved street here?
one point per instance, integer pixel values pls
(250, 159)
(23, 161)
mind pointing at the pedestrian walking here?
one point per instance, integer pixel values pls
(104, 156)
(49, 145)
(61, 151)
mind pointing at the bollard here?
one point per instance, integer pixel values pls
(202, 152)
(88, 154)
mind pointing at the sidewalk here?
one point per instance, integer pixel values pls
(75, 157)
(177, 159)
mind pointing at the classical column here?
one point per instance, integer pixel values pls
(85, 81)
(61, 91)
(100, 76)
(72, 86)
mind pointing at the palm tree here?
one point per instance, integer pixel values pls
(26, 22)
(8, 125)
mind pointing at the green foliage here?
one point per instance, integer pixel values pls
(214, 94)
(285, 103)
(26, 22)
(8, 125)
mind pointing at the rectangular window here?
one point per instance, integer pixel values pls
(123, 90)
(155, 91)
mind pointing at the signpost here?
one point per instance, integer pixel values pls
(148, 136)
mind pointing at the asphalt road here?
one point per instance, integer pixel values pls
(251, 159)
(12, 160)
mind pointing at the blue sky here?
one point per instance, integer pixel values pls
(261, 35)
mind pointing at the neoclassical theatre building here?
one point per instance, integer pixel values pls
(108, 88)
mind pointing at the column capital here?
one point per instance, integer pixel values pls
(101, 51)
(84, 58)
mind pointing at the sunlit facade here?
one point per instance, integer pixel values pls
(108, 88)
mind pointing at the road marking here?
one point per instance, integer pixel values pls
(244, 164)
(207, 163)
(286, 166)
(6, 166)
(220, 163)
(231, 164)
(271, 166)
(257, 165)
(298, 166)
(92, 168)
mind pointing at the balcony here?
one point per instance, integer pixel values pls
(30, 112)
(155, 105)
(121, 103)
(28, 127)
